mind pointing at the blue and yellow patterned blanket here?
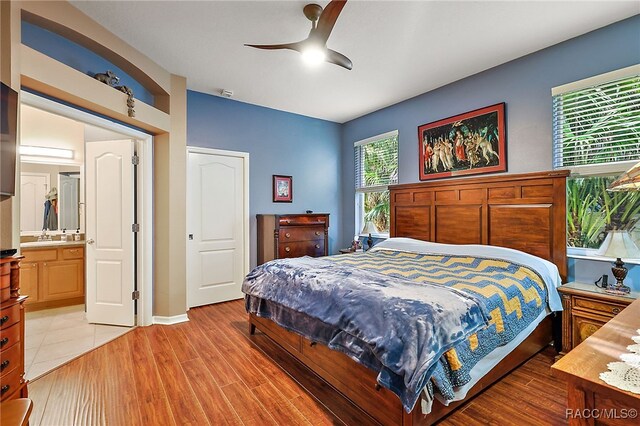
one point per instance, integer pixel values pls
(347, 303)
(513, 294)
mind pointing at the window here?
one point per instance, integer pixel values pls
(596, 134)
(376, 167)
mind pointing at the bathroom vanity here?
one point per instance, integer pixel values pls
(52, 274)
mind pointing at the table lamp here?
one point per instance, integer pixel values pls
(619, 244)
(369, 228)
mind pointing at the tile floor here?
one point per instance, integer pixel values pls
(55, 336)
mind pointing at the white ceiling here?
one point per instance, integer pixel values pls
(399, 49)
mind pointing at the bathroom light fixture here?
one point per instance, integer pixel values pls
(41, 151)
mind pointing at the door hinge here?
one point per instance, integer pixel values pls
(135, 160)
(135, 295)
(135, 227)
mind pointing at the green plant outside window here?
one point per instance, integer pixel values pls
(592, 211)
(376, 162)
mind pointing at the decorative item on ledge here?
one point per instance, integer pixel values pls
(619, 244)
(110, 79)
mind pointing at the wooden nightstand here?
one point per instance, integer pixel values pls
(586, 309)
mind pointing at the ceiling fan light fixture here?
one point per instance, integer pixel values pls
(314, 55)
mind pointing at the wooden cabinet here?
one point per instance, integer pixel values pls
(12, 382)
(53, 276)
(586, 309)
(292, 235)
(29, 280)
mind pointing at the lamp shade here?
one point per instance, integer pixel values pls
(369, 228)
(619, 244)
(629, 181)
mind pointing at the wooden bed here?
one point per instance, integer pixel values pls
(522, 211)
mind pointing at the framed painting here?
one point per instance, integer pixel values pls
(282, 189)
(466, 144)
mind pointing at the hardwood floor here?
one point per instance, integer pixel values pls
(209, 371)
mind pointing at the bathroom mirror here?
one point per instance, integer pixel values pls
(50, 197)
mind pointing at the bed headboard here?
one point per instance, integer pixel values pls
(521, 211)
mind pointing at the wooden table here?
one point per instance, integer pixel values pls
(588, 396)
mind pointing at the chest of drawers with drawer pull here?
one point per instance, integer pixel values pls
(292, 235)
(12, 381)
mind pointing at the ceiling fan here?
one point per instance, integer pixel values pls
(314, 48)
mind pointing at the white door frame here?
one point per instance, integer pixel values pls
(145, 193)
(245, 219)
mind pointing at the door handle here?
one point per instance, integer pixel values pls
(191, 236)
(90, 241)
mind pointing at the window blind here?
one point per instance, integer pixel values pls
(597, 125)
(376, 161)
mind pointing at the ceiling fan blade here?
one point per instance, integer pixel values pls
(291, 46)
(338, 59)
(328, 20)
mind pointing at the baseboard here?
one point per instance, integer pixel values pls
(170, 320)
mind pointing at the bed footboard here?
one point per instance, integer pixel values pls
(358, 384)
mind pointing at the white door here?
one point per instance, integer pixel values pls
(217, 223)
(69, 202)
(109, 248)
(33, 188)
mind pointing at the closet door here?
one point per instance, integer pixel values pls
(217, 222)
(110, 240)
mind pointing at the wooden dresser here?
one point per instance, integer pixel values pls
(53, 276)
(292, 235)
(586, 309)
(590, 400)
(12, 382)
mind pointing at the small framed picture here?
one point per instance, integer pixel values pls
(282, 189)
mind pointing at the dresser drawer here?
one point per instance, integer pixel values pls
(72, 253)
(10, 383)
(597, 306)
(10, 359)
(302, 220)
(288, 233)
(39, 255)
(9, 336)
(301, 248)
(9, 316)
(5, 287)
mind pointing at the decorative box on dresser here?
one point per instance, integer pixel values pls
(292, 235)
(12, 382)
(586, 309)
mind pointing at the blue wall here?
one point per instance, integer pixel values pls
(524, 84)
(278, 143)
(77, 57)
